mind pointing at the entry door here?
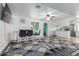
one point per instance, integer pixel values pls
(45, 29)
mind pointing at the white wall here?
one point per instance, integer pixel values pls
(51, 24)
(4, 30)
(17, 25)
(3, 36)
(60, 23)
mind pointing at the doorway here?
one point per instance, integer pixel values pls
(45, 29)
(72, 30)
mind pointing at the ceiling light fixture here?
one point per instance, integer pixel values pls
(47, 16)
(37, 6)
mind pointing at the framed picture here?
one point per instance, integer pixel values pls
(35, 28)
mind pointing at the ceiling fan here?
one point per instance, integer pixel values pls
(47, 16)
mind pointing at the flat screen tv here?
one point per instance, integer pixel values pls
(5, 13)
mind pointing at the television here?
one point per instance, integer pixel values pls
(6, 13)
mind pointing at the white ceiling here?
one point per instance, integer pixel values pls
(61, 11)
(21, 9)
(69, 8)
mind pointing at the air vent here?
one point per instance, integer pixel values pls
(22, 21)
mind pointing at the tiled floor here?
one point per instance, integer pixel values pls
(53, 47)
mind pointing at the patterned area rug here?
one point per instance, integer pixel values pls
(43, 48)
